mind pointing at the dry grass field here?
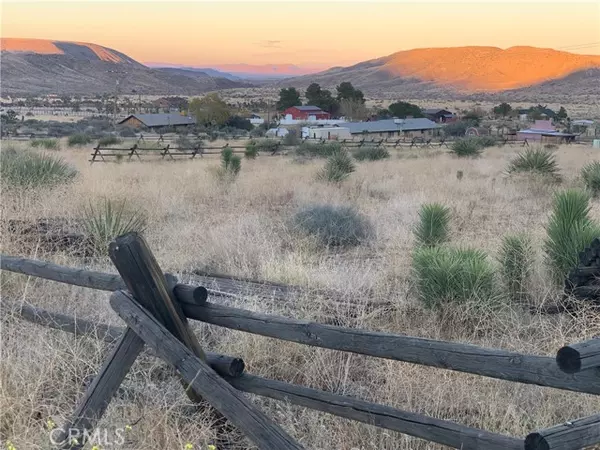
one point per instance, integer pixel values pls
(196, 221)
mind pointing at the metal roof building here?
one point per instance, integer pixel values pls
(157, 120)
(390, 126)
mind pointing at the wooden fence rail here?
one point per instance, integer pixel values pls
(155, 309)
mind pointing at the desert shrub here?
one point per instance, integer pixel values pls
(466, 147)
(109, 140)
(26, 169)
(78, 139)
(458, 128)
(516, 260)
(336, 226)
(127, 132)
(485, 141)
(110, 220)
(370, 153)
(569, 231)
(447, 274)
(48, 144)
(320, 150)
(251, 151)
(183, 142)
(536, 160)
(337, 168)
(590, 174)
(291, 139)
(434, 225)
(230, 163)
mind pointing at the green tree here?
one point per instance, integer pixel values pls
(322, 98)
(210, 110)
(287, 98)
(404, 109)
(345, 91)
(562, 114)
(9, 118)
(503, 109)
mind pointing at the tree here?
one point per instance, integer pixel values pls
(474, 115)
(240, 123)
(9, 118)
(503, 109)
(210, 110)
(562, 114)
(322, 98)
(287, 98)
(345, 91)
(404, 109)
(353, 109)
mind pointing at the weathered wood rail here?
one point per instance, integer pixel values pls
(155, 309)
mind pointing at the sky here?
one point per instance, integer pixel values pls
(309, 33)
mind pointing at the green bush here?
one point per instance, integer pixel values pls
(78, 139)
(569, 231)
(466, 147)
(331, 225)
(590, 173)
(320, 150)
(110, 220)
(446, 274)
(370, 153)
(230, 163)
(516, 260)
(337, 168)
(48, 144)
(291, 139)
(434, 225)
(27, 169)
(251, 151)
(485, 141)
(109, 140)
(536, 160)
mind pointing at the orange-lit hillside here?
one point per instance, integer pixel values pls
(47, 47)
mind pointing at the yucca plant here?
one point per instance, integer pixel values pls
(536, 160)
(434, 225)
(110, 220)
(569, 231)
(48, 144)
(446, 274)
(516, 260)
(466, 148)
(370, 153)
(590, 173)
(28, 169)
(337, 168)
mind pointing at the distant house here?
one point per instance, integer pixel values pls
(543, 131)
(439, 115)
(389, 128)
(157, 120)
(306, 113)
(328, 133)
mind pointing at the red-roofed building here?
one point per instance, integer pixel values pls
(306, 112)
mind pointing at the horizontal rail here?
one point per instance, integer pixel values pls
(578, 357)
(572, 435)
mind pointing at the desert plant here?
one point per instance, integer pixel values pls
(48, 144)
(320, 150)
(516, 260)
(569, 231)
(291, 139)
(536, 160)
(127, 132)
(109, 220)
(370, 153)
(109, 140)
(446, 274)
(590, 173)
(78, 139)
(466, 148)
(337, 168)
(434, 224)
(333, 225)
(27, 169)
(485, 141)
(251, 151)
(230, 163)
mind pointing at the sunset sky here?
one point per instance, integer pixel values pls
(309, 33)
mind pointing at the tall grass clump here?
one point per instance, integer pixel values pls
(48, 144)
(370, 153)
(78, 139)
(337, 168)
(335, 226)
(464, 148)
(434, 225)
(319, 150)
(230, 163)
(516, 265)
(28, 169)
(535, 160)
(109, 220)
(569, 231)
(109, 140)
(447, 275)
(590, 174)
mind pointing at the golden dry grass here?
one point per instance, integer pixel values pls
(195, 222)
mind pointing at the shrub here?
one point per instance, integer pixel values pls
(465, 148)
(569, 231)
(110, 220)
(78, 139)
(590, 174)
(48, 144)
(537, 160)
(321, 150)
(337, 168)
(516, 259)
(333, 225)
(291, 139)
(251, 151)
(434, 225)
(127, 133)
(371, 153)
(230, 163)
(109, 140)
(25, 169)
(183, 142)
(486, 141)
(446, 274)
(458, 128)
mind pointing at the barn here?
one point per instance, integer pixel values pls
(439, 115)
(390, 128)
(157, 121)
(306, 112)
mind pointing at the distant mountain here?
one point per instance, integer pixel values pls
(192, 71)
(252, 72)
(38, 66)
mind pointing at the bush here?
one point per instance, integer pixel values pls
(127, 133)
(333, 226)
(537, 160)
(251, 151)
(108, 140)
(26, 169)
(320, 150)
(183, 142)
(110, 220)
(590, 174)
(466, 147)
(337, 168)
(446, 274)
(371, 153)
(291, 139)
(569, 231)
(48, 144)
(516, 259)
(458, 128)
(230, 163)
(434, 225)
(78, 139)
(485, 141)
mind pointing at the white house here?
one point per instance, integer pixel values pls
(335, 132)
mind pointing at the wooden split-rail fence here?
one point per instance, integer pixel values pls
(155, 309)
